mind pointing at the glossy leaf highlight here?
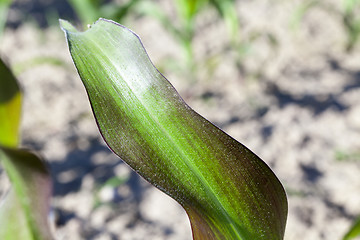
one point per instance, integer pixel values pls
(227, 191)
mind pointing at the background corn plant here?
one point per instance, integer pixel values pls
(24, 209)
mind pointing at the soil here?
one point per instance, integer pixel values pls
(293, 98)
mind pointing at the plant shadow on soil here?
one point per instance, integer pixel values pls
(70, 173)
(312, 101)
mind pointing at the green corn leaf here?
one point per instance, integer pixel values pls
(227, 191)
(24, 210)
(10, 107)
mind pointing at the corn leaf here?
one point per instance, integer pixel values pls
(24, 210)
(10, 107)
(227, 191)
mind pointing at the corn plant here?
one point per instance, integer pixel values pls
(351, 22)
(186, 12)
(90, 10)
(4, 7)
(227, 10)
(300, 12)
(183, 28)
(348, 15)
(227, 191)
(24, 209)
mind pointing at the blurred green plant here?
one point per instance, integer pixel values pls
(182, 27)
(346, 156)
(183, 32)
(89, 11)
(227, 191)
(4, 7)
(112, 184)
(25, 65)
(354, 231)
(348, 14)
(300, 12)
(351, 22)
(24, 210)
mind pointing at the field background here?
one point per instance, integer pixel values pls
(289, 89)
